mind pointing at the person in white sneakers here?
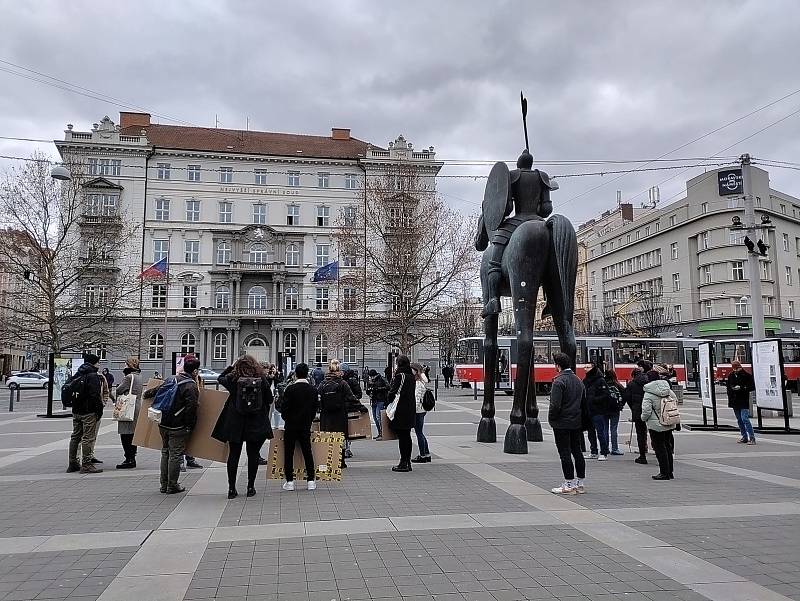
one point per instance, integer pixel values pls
(567, 416)
(300, 404)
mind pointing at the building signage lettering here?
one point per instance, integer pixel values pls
(257, 190)
(730, 182)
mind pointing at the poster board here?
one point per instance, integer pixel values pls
(200, 444)
(386, 427)
(62, 371)
(768, 375)
(705, 370)
(326, 448)
(359, 426)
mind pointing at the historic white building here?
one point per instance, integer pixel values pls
(245, 219)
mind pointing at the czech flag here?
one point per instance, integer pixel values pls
(155, 271)
(327, 273)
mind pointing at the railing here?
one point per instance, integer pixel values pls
(379, 153)
(77, 136)
(88, 219)
(248, 266)
(129, 139)
(250, 312)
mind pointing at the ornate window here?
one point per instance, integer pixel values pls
(257, 298)
(155, 346)
(223, 252)
(222, 298)
(290, 344)
(291, 298)
(258, 253)
(320, 348)
(220, 346)
(188, 343)
(292, 255)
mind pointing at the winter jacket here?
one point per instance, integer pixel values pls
(403, 388)
(233, 426)
(123, 388)
(379, 388)
(317, 376)
(567, 400)
(633, 394)
(352, 381)
(597, 397)
(654, 394)
(615, 408)
(91, 399)
(336, 398)
(183, 413)
(739, 399)
(419, 392)
(300, 404)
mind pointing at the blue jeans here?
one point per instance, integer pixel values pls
(745, 427)
(376, 415)
(613, 423)
(422, 442)
(601, 427)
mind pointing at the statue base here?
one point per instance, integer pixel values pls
(534, 429)
(487, 430)
(516, 441)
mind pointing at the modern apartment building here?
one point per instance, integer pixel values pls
(245, 219)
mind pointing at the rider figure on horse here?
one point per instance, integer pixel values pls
(529, 197)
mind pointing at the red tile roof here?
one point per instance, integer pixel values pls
(249, 142)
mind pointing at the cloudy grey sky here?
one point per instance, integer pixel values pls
(617, 80)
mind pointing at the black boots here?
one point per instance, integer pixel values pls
(403, 466)
(127, 464)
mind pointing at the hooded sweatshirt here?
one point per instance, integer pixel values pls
(654, 394)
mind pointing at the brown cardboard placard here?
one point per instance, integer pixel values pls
(326, 448)
(386, 427)
(359, 426)
(200, 444)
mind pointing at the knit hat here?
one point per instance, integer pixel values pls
(373, 373)
(653, 375)
(91, 359)
(132, 362)
(660, 369)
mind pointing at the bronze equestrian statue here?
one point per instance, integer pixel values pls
(530, 248)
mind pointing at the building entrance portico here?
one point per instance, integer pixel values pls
(258, 348)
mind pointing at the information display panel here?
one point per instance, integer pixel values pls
(768, 375)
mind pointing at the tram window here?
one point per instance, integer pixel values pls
(580, 355)
(663, 352)
(728, 351)
(791, 352)
(469, 352)
(629, 351)
(541, 352)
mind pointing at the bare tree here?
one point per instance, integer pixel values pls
(70, 283)
(460, 319)
(655, 314)
(414, 247)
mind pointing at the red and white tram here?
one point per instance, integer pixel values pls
(725, 351)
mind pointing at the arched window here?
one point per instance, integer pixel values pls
(223, 252)
(320, 348)
(188, 343)
(222, 297)
(291, 298)
(349, 349)
(155, 346)
(221, 346)
(290, 344)
(292, 255)
(258, 253)
(257, 298)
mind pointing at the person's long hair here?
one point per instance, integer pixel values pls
(404, 364)
(611, 377)
(248, 367)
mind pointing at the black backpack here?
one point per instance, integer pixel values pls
(249, 395)
(73, 392)
(428, 400)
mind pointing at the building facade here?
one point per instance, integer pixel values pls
(689, 265)
(244, 219)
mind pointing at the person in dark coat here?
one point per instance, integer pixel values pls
(566, 416)
(351, 377)
(633, 395)
(378, 388)
(614, 410)
(403, 389)
(738, 385)
(238, 428)
(134, 384)
(336, 397)
(318, 375)
(299, 407)
(597, 399)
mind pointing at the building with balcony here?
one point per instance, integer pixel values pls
(689, 265)
(244, 219)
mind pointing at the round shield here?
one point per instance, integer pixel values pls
(495, 197)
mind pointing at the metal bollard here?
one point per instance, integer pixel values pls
(475, 391)
(11, 393)
(436, 388)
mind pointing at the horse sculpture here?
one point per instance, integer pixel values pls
(528, 250)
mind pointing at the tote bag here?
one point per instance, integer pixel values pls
(125, 407)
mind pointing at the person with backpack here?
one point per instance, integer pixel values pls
(616, 389)
(420, 388)
(633, 395)
(378, 387)
(402, 396)
(566, 415)
(336, 400)
(598, 400)
(177, 399)
(660, 413)
(84, 393)
(299, 407)
(131, 384)
(245, 418)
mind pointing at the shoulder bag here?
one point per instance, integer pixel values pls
(125, 406)
(392, 408)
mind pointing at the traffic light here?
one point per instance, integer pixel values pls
(751, 247)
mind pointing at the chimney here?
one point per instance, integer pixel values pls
(127, 119)
(340, 133)
(627, 211)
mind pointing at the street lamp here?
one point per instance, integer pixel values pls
(60, 173)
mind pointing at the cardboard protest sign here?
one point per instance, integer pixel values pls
(200, 443)
(326, 448)
(358, 426)
(386, 427)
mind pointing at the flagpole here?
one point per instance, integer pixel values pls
(166, 312)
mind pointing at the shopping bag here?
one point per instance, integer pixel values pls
(125, 405)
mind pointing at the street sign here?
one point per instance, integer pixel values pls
(730, 182)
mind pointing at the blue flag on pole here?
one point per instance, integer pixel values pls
(327, 273)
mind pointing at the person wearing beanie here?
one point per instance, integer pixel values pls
(131, 384)
(656, 391)
(85, 389)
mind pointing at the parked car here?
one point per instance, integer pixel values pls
(12, 373)
(27, 379)
(209, 376)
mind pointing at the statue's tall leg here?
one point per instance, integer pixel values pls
(562, 312)
(533, 427)
(516, 440)
(487, 429)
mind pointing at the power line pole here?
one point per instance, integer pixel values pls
(756, 300)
